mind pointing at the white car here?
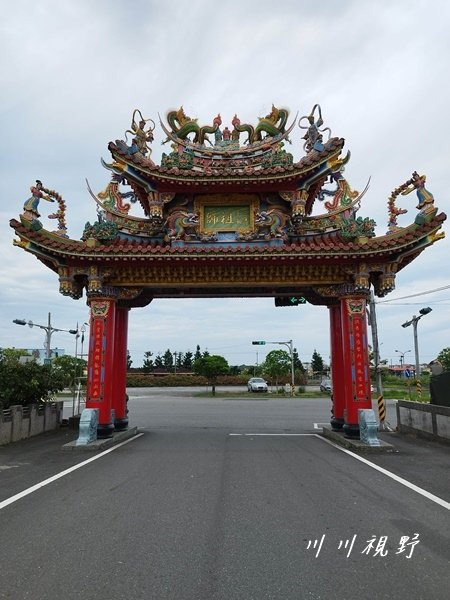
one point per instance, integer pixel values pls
(325, 386)
(257, 384)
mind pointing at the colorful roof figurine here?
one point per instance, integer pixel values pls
(229, 212)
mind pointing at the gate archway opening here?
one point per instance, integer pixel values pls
(228, 212)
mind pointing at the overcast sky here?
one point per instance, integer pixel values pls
(72, 73)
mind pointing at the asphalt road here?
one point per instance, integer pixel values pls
(207, 505)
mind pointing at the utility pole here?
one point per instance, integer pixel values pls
(376, 361)
(375, 344)
(413, 322)
(48, 333)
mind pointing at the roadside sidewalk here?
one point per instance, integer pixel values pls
(30, 461)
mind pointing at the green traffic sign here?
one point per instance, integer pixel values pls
(290, 300)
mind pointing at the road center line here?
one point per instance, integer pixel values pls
(42, 484)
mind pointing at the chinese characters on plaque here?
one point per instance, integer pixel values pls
(226, 218)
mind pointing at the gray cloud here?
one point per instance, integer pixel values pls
(74, 72)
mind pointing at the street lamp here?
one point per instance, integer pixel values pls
(291, 354)
(48, 332)
(402, 360)
(81, 329)
(413, 321)
(76, 377)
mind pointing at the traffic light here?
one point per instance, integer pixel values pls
(289, 300)
(260, 343)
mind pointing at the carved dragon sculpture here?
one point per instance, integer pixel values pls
(180, 223)
(182, 125)
(272, 124)
(273, 222)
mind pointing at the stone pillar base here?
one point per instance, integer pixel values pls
(351, 431)
(105, 430)
(120, 424)
(336, 423)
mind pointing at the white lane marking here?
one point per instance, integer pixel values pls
(319, 425)
(393, 476)
(408, 484)
(40, 485)
(272, 434)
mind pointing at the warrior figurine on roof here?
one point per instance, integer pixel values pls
(417, 182)
(31, 205)
(141, 137)
(313, 135)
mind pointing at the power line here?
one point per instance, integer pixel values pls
(420, 303)
(445, 287)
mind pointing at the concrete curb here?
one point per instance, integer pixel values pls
(119, 436)
(356, 445)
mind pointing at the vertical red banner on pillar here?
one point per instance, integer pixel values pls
(361, 380)
(356, 360)
(355, 342)
(96, 363)
(100, 360)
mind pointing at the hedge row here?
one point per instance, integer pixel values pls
(172, 380)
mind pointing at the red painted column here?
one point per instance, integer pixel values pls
(101, 362)
(119, 392)
(337, 368)
(356, 362)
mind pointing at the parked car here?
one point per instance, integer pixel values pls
(257, 384)
(325, 386)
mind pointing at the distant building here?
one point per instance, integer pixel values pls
(39, 353)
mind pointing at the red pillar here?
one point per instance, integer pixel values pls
(119, 392)
(337, 368)
(356, 362)
(100, 362)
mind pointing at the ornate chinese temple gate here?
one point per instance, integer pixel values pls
(228, 213)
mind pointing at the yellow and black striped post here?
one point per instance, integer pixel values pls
(419, 388)
(381, 409)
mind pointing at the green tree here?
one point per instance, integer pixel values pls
(444, 358)
(129, 361)
(178, 359)
(197, 354)
(187, 360)
(26, 383)
(70, 368)
(277, 365)
(12, 354)
(211, 367)
(298, 365)
(159, 361)
(168, 360)
(317, 363)
(148, 364)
